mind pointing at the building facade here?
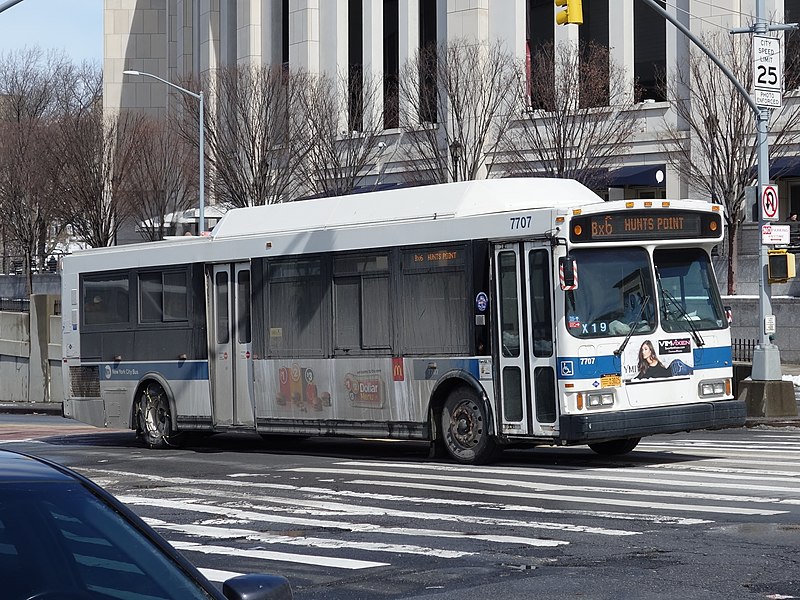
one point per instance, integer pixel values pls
(175, 38)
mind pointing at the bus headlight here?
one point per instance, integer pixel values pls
(600, 399)
(712, 388)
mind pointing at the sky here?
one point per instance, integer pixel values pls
(75, 26)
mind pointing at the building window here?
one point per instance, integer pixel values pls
(593, 36)
(355, 65)
(539, 24)
(285, 34)
(649, 52)
(427, 61)
(391, 64)
(792, 46)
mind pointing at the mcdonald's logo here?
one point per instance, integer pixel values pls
(397, 369)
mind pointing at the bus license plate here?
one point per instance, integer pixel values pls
(610, 381)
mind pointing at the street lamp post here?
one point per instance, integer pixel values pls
(202, 219)
(455, 152)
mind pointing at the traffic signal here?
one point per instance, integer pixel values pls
(780, 266)
(573, 13)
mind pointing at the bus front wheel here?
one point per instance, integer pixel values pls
(465, 428)
(154, 417)
(615, 447)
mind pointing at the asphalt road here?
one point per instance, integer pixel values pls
(708, 515)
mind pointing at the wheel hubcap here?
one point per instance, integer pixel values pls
(466, 424)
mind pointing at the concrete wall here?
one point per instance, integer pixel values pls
(14, 286)
(787, 315)
(30, 353)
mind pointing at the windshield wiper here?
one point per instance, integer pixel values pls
(632, 326)
(698, 339)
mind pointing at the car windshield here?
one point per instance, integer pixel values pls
(61, 539)
(688, 293)
(614, 295)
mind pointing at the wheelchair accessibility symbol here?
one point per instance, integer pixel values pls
(567, 369)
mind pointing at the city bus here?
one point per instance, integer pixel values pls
(472, 315)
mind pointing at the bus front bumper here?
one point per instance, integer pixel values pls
(575, 429)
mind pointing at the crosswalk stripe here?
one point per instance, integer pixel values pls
(594, 500)
(221, 533)
(566, 498)
(217, 576)
(192, 505)
(306, 559)
(605, 475)
(184, 485)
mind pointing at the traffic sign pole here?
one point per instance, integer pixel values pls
(768, 76)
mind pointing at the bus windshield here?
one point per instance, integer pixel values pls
(615, 293)
(687, 290)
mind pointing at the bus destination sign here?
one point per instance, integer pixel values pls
(644, 225)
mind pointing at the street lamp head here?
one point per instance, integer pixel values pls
(455, 149)
(131, 73)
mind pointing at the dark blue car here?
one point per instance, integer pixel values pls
(63, 537)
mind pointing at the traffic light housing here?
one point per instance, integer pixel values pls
(573, 13)
(780, 266)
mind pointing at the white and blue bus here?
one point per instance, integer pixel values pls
(474, 315)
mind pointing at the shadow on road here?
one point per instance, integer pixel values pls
(379, 450)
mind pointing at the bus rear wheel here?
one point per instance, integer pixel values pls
(154, 417)
(615, 447)
(465, 428)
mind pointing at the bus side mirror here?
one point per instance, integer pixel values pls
(568, 273)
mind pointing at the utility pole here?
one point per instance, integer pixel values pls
(767, 395)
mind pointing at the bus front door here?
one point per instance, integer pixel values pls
(526, 351)
(230, 346)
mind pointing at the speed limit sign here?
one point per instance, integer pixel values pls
(769, 203)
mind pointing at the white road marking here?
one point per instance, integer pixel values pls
(192, 505)
(306, 559)
(185, 485)
(216, 575)
(221, 533)
(564, 488)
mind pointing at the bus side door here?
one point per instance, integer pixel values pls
(525, 329)
(230, 346)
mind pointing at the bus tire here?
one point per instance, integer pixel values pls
(154, 417)
(465, 427)
(615, 447)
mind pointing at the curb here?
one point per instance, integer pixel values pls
(32, 408)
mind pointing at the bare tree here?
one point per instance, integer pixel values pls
(255, 133)
(339, 157)
(28, 176)
(454, 100)
(163, 179)
(719, 156)
(98, 154)
(579, 118)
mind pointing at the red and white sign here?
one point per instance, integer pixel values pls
(775, 234)
(769, 203)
